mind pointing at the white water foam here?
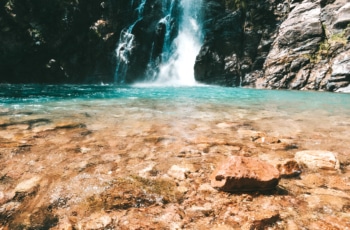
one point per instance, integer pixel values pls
(126, 45)
(179, 69)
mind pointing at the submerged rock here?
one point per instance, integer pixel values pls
(263, 220)
(95, 221)
(318, 159)
(244, 174)
(289, 168)
(27, 186)
(178, 172)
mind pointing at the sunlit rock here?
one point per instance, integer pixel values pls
(95, 221)
(178, 172)
(244, 174)
(28, 185)
(317, 159)
(200, 211)
(206, 188)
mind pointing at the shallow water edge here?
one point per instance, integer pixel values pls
(107, 157)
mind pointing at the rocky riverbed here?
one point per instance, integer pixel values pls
(96, 166)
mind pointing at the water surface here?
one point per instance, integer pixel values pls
(280, 112)
(76, 141)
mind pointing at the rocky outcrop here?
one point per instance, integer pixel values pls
(75, 42)
(217, 62)
(237, 40)
(298, 45)
(58, 41)
(237, 174)
(310, 51)
(297, 37)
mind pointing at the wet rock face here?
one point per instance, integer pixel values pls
(72, 41)
(236, 41)
(299, 34)
(307, 50)
(149, 35)
(237, 174)
(265, 44)
(58, 41)
(289, 45)
(211, 66)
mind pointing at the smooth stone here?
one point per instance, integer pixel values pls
(318, 159)
(28, 185)
(238, 173)
(206, 188)
(178, 172)
(204, 210)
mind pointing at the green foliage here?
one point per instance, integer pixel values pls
(324, 49)
(339, 38)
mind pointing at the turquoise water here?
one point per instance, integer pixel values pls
(296, 101)
(314, 120)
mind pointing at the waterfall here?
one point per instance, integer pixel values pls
(178, 57)
(173, 51)
(126, 45)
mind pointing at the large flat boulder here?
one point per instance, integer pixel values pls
(238, 174)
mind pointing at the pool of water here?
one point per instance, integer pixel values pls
(11, 95)
(79, 139)
(279, 112)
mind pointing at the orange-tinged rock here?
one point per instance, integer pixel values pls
(289, 168)
(244, 174)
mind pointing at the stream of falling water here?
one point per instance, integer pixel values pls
(176, 65)
(177, 69)
(125, 46)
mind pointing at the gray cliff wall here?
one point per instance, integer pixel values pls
(274, 44)
(300, 45)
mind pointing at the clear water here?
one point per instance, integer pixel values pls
(131, 130)
(318, 120)
(287, 101)
(126, 121)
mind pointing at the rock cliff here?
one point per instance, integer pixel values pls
(278, 45)
(274, 44)
(59, 41)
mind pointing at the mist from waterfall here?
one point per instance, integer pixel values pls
(179, 57)
(172, 63)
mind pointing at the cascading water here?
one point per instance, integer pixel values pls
(173, 50)
(126, 45)
(179, 56)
